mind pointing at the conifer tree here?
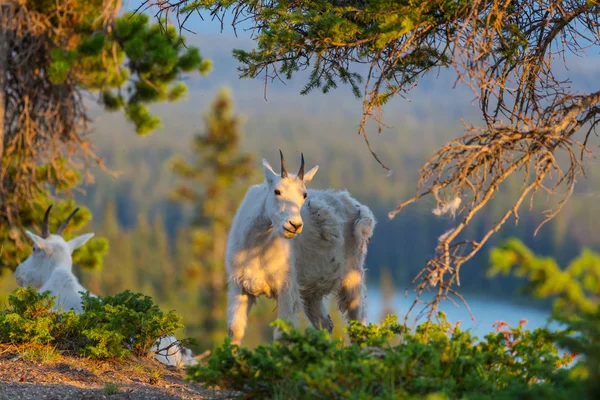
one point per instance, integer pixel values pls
(214, 181)
(52, 54)
(118, 273)
(162, 272)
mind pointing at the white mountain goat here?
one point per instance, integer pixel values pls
(297, 246)
(50, 268)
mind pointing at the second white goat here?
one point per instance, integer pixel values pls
(50, 268)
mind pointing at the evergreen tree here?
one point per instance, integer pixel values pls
(214, 182)
(575, 288)
(164, 272)
(52, 53)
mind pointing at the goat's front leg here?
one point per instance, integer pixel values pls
(317, 314)
(240, 302)
(288, 300)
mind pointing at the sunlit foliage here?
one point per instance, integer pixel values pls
(110, 327)
(436, 358)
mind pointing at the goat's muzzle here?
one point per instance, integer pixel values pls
(292, 229)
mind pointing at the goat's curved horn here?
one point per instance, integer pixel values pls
(301, 172)
(284, 173)
(45, 226)
(62, 226)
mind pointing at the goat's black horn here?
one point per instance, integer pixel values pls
(61, 228)
(284, 172)
(301, 172)
(45, 226)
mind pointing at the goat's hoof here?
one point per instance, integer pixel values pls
(330, 325)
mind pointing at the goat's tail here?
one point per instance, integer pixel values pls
(364, 224)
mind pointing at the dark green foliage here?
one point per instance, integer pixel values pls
(331, 38)
(386, 361)
(447, 361)
(136, 59)
(132, 316)
(110, 327)
(29, 318)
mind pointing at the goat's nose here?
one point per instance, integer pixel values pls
(297, 225)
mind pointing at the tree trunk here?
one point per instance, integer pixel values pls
(5, 8)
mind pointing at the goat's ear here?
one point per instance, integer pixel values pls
(310, 174)
(269, 173)
(41, 243)
(79, 241)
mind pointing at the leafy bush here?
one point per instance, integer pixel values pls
(446, 361)
(110, 327)
(437, 360)
(575, 291)
(29, 318)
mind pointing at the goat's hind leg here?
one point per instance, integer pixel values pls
(239, 304)
(317, 314)
(352, 296)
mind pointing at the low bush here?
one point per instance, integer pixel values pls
(110, 327)
(437, 360)
(446, 361)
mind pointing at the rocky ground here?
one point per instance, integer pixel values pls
(34, 373)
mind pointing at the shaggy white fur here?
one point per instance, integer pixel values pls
(297, 246)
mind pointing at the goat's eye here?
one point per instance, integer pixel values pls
(277, 192)
(304, 195)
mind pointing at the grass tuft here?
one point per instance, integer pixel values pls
(111, 388)
(43, 354)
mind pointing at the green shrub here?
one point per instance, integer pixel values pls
(126, 316)
(110, 327)
(28, 319)
(437, 360)
(446, 361)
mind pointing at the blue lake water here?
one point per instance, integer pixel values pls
(485, 310)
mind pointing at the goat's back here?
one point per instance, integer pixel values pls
(336, 230)
(338, 207)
